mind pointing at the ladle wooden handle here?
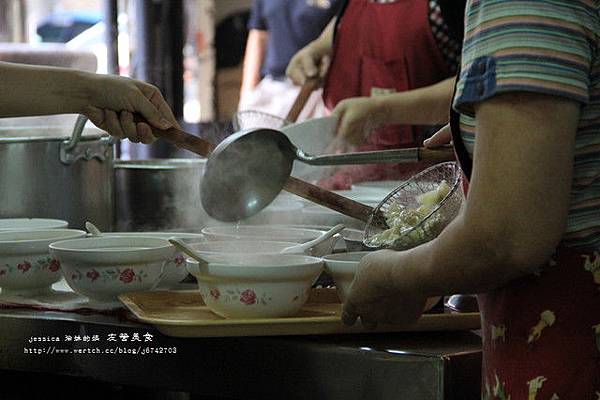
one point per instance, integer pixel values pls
(306, 90)
(328, 199)
(293, 185)
(185, 140)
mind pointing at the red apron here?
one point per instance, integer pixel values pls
(541, 333)
(382, 48)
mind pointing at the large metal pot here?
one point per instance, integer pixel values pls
(158, 194)
(57, 172)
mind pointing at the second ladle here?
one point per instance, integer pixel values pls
(248, 169)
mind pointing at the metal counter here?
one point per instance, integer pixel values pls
(436, 365)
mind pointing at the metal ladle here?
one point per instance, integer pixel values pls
(248, 169)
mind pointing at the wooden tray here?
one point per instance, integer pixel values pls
(184, 314)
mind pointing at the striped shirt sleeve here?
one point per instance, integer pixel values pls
(541, 46)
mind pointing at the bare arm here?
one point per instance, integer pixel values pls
(314, 58)
(32, 90)
(424, 106)
(109, 101)
(359, 116)
(514, 216)
(254, 56)
(518, 198)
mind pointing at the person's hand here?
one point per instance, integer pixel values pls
(383, 291)
(440, 138)
(357, 118)
(309, 62)
(112, 101)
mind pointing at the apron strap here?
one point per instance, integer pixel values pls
(464, 159)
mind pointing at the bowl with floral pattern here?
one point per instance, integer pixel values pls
(26, 266)
(257, 286)
(101, 268)
(174, 271)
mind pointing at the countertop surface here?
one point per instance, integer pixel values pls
(427, 365)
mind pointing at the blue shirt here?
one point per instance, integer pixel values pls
(291, 24)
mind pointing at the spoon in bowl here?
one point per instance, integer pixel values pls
(301, 248)
(180, 245)
(92, 229)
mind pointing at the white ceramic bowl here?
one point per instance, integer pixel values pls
(285, 209)
(28, 224)
(371, 197)
(101, 268)
(26, 266)
(222, 250)
(271, 233)
(260, 232)
(312, 136)
(335, 242)
(387, 186)
(318, 215)
(174, 271)
(342, 267)
(260, 286)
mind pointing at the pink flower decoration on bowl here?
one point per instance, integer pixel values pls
(127, 275)
(93, 275)
(24, 266)
(248, 297)
(179, 260)
(54, 265)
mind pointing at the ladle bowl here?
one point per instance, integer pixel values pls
(245, 173)
(248, 169)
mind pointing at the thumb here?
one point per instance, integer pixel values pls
(440, 138)
(324, 66)
(308, 65)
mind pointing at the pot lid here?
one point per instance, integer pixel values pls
(44, 128)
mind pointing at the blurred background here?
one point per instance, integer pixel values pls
(191, 49)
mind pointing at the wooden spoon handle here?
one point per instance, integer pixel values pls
(309, 86)
(328, 199)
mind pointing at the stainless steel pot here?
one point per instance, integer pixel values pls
(158, 194)
(52, 172)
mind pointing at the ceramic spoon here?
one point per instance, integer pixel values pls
(187, 250)
(93, 229)
(301, 248)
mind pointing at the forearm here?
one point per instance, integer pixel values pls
(424, 106)
(36, 90)
(516, 209)
(323, 45)
(461, 260)
(253, 58)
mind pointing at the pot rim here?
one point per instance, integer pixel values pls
(160, 163)
(52, 133)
